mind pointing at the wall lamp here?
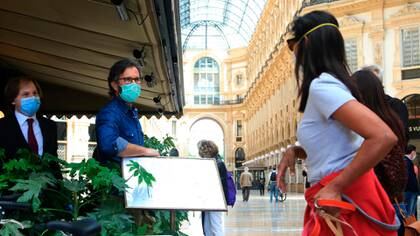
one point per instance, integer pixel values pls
(157, 99)
(139, 55)
(121, 9)
(150, 80)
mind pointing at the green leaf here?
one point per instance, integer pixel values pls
(13, 229)
(74, 185)
(32, 187)
(119, 183)
(18, 165)
(141, 230)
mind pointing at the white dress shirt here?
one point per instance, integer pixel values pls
(23, 124)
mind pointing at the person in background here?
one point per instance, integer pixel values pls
(118, 130)
(396, 104)
(245, 181)
(274, 191)
(213, 220)
(391, 171)
(261, 185)
(22, 127)
(339, 134)
(411, 190)
(174, 152)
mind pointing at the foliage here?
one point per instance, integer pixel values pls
(163, 147)
(163, 225)
(141, 173)
(88, 189)
(12, 228)
(32, 187)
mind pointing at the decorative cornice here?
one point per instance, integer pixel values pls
(347, 21)
(409, 9)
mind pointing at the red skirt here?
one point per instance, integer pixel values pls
(368, 194)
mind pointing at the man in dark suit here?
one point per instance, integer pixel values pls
(21, 127)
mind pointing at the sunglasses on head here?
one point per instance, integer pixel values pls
(293, 41)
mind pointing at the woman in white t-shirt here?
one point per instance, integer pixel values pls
(342, 138)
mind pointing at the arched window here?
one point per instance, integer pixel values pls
(206, 81)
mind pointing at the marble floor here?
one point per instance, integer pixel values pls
(258, 217)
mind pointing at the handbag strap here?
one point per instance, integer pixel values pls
(392, 227)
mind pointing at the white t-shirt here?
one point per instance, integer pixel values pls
(330, 146)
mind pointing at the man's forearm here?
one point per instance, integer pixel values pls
(134, 150)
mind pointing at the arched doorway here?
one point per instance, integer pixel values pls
(239, 157)
(209, 129)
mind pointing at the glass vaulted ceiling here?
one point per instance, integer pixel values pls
(218, 24)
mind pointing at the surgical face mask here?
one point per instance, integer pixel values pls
(130, 92)
(29, 106)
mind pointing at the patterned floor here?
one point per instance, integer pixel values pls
(258, 217)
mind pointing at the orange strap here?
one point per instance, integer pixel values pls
(334, 203)
(336, 229)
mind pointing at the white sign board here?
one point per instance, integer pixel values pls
(181, 184)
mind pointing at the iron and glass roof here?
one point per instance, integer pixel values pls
(219, 24)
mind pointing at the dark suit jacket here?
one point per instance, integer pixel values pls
(12, 139)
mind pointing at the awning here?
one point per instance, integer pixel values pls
(69, 47)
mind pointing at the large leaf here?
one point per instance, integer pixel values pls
(74, 186)
(141, 173)
(113, 218)
(12, 228)
(20, 165)
(32, 187)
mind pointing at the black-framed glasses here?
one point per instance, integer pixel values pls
(128, 80)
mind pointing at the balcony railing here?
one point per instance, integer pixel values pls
(211, 100)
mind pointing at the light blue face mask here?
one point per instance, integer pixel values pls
(29, 106)
(130, 92)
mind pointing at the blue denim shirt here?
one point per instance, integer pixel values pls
(117, 125)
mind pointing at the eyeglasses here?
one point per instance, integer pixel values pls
(127, 80)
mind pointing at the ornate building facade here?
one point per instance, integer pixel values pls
(243, 94)
(382, 32)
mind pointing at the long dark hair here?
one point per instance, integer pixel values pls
(391, 171)
(373, 96)
(320, 51)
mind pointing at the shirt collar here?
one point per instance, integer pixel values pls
(125, 107)
(21, 118)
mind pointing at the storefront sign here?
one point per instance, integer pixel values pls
(414, 128)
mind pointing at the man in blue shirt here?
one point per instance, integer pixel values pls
(119, 133)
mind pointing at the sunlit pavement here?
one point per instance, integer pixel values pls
(258, 217)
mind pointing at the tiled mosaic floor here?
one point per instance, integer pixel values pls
(258, 217)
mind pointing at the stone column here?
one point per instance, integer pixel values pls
(77, 139)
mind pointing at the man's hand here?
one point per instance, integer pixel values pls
(133, 150)
(150, 152)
